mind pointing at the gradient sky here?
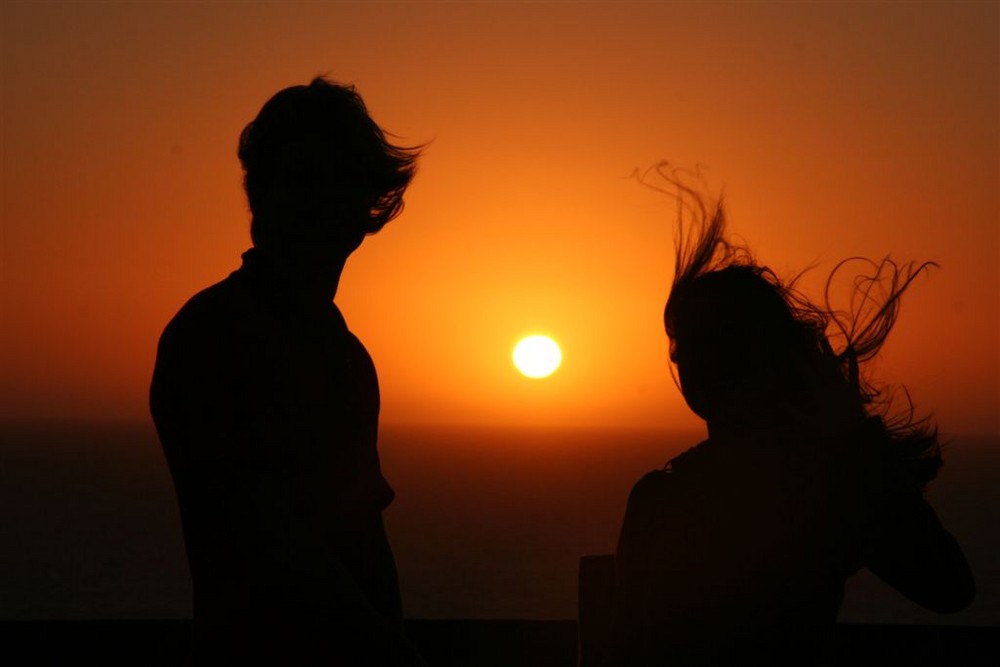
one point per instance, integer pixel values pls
(835, 129)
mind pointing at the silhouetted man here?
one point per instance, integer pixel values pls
(267, 406)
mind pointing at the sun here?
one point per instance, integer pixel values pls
(537, 356)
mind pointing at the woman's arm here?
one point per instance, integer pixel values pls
(912, 552)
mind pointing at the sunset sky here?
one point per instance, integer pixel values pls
(835, 129)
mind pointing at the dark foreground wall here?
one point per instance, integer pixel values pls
(467, 643)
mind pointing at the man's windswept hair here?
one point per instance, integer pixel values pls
(310, 134)
(845, 338)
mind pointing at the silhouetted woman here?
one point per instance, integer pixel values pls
(737, 551)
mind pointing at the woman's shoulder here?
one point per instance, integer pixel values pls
(650, 484)
(690, 457)
(655, 483)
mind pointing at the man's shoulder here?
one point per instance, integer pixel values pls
(358, 350)
(214, 311)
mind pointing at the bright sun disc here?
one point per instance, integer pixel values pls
(537, 356)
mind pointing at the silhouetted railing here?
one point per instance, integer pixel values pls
(470, 643)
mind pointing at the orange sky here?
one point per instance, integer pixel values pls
(836, 130)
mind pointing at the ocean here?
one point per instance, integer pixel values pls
(488, 523)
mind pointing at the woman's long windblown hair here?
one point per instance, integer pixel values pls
(844, 338)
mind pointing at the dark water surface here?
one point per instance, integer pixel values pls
(488, 523)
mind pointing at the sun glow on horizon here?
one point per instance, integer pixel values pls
(537, 356)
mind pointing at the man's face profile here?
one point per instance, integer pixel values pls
(315, 220)
(320, 175)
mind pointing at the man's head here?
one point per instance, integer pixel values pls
(319, 172)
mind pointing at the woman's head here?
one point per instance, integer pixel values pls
(750, 350)
(738, 344)
(739, 337)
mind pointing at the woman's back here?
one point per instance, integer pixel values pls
(723, 555)
(738, 551)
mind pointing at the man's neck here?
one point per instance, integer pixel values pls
(311, 285)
